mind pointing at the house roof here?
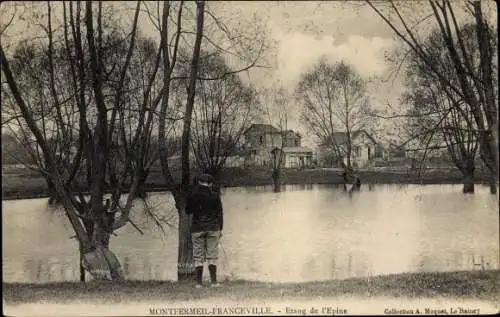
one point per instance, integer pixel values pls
(341, 137)
(259, 127)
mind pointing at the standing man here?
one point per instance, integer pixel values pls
(206, 206)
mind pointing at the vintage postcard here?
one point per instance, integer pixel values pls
(253, 158)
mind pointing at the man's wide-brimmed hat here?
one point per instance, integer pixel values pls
(206, 179)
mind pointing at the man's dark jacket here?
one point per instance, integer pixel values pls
(206, 206)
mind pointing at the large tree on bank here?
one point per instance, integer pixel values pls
(86, 110)
(334, 99)
(474, 80)
(437, 116)
(102, 104)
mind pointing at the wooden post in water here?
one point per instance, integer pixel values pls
(333, 267)
(349, 265)
(479, 263)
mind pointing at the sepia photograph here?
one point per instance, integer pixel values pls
(250, 158)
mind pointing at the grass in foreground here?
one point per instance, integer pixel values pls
(484, 285)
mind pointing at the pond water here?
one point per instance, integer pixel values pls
(304, 233)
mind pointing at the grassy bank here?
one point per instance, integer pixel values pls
(482, 285)
(19, 184)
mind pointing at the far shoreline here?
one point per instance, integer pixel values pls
(23, 185)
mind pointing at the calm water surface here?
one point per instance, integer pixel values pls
(301, 234)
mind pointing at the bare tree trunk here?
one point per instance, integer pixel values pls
(81, 266)
(185, 264)
(185, 269)
(101, 262)
(82, 269)
(143, 176)
(53, 197)
(493, 149)
(491, 105)
(486, 146)
(468, 176)
(349, 149)
(493, 179)
(185, 259)
(349, 165)
(468, 182)
(108, 261)
(276, 180)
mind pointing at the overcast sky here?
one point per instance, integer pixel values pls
(304, 31)
(307, 30)
(341, 30)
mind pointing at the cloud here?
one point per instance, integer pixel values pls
(299, 51)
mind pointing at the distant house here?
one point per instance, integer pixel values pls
(291, 139)
(263, 141)
(261, 136)
(390, 155)
(295, 157)
(391, 152)
(363, 147)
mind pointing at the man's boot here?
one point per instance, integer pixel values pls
(199, 276)
(213, 275)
